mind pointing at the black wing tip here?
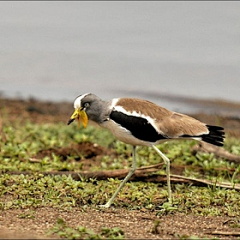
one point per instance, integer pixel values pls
(215, 136)
(217, 142)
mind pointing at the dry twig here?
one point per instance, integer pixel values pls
(141, 174)
(225, 233)
(217, 151)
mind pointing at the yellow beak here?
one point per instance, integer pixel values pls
(81, 116)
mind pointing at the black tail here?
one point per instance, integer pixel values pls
(215, 136)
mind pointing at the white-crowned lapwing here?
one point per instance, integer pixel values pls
(140, 122)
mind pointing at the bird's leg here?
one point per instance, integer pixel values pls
(130, 173)
(167, 162)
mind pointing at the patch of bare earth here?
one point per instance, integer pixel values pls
(136, 224)
(88, 153)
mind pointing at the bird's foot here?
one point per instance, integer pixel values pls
(104, 205)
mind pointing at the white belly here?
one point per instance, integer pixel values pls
(123, 134)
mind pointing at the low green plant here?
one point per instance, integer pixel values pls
(21, 142)
(62, 230)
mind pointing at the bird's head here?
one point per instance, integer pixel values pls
(87, 107)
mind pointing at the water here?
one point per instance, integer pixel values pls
(58, 50)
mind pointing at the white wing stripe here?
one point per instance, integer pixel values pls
(136, 114)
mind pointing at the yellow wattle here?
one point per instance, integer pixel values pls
(82, 117)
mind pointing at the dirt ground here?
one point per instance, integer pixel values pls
(135, 223)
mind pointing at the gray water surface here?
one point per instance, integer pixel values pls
(58, 50)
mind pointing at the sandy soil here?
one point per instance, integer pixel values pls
(136, 224)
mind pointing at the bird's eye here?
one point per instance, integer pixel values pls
(85, 105)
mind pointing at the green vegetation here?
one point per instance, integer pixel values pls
(22, 143)
(62, 230)
(19, 151)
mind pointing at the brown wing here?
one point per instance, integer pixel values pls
(178, 125)
(166, 122)
(144, 107)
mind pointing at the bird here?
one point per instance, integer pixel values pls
(139, 122)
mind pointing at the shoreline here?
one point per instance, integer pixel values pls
(186, 105)
(39, 111)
